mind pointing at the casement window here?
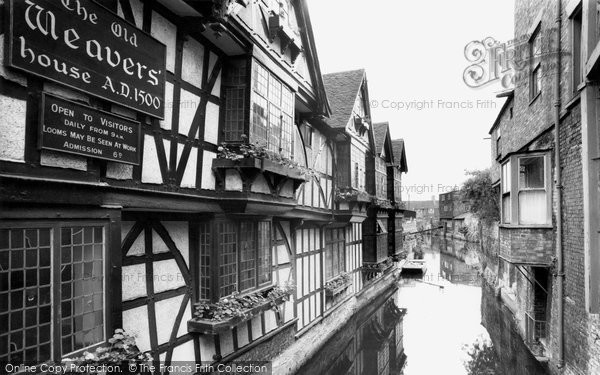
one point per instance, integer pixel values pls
(234, 93)
(576, 57)
(272, 112)
(52, 290)
(242, 260)
(526, 190)
(335, 253)
(535, 66)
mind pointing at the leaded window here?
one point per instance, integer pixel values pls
(234, 89)
(335, 253)
(51, 280)
(243, 256)
(272, 112)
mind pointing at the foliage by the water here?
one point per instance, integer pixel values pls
(483, 359)
(482, 196)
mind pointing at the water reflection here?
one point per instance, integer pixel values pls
(431, 325)
(370, 343)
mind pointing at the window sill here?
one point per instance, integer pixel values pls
(527, 226)
(535, 98)
(573, 101)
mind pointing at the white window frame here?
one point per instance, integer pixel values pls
(513, 189)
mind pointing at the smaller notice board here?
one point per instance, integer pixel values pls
(67, 126)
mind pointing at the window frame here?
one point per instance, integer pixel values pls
(111, 269)
(535, 66)
(577, 60)
(330, 242)
(514, 189)
(275, 104)
(214, 267)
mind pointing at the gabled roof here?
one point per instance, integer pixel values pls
(509, 95)
(312, 57)
(400, 154)
(380, 131)
(342, 90)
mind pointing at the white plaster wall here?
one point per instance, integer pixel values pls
(256, 327)
(167, 123)
(135, 321)
(166, 313)
(8, 74)
(166, 32)
(188, 105)
(226, 343)
(211, 130)
(207, 347)
(178, 230)
(134, 282)
(242, 330)
(282, 254)
(270, 320)
(119, 171)
(191, 168)
(233, 181)
(167, 276)
(216, 91)
(61, 160)
(150, 167)
(260, 186)
(193, 61)
(138, 247)
(288, 190)
(184, 353)
(158, 245)
(208, 178)
(12, 129)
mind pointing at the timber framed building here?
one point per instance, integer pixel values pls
(230, 174)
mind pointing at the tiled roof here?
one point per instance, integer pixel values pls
(399, 154)
(380, 130)
(342, 89)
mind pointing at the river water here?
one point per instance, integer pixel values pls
(447, 322)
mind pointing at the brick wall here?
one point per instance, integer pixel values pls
(527, 245)
(531, 129)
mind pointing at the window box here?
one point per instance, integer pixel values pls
(262, 164)
(337, 285)
(257, 303)
(349, 194)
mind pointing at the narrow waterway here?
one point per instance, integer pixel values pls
(447, 322)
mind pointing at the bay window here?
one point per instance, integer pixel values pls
(52, 290)
(240, 252)
(506, 183)
(272, 119)
(526, 190)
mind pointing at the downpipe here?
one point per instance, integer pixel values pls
(560, 276)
